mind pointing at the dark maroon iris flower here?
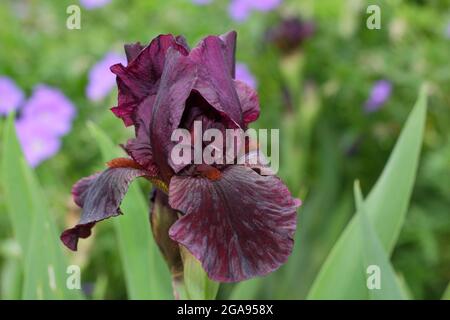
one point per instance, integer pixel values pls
(237, 222)
(290, 33)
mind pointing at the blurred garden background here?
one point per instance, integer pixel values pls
(339, 92)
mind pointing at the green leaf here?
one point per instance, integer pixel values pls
(197, 284)
(446, 295)
(14, 184)
(375, 260)
(42, 259)
(388, 201)
(10, 279)
(385, 206)
(146, 274)
(246, 290)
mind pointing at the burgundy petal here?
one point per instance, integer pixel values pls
(229, 40)
(215, 82)
(141, 77)
(249, 101)
(100, 196)
(181, 40)
(132, 50)
(176, 84)
(239, 225)
(139, 148)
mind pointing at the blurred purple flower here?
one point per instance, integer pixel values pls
(265, 5)
(101, 79)
(243, 74)
(48, 108)
(93, 4)
(38, 144)
(239, 10)
(11, 96)
(380, 92)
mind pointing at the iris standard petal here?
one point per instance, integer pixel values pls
(132, 50)
(249, 101)
(140, 78)
(215, 82)
(239, 224)
(229, 40)
(176, 84)
(139, 148)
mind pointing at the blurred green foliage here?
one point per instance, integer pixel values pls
(315, 96)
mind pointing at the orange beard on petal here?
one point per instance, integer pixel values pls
(130, 163)
(124, 163)
(209, 172)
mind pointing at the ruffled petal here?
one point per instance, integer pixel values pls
(100, 196)
(139, 148)
(132, 50)
(229, 39)
(238, 224)
(141, 77)
(215, 82)
(249, 101)
(176, 84)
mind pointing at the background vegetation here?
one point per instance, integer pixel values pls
(315, 94)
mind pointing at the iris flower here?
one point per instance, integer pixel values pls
(235, 221)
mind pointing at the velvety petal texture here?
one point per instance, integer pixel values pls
(249, 101)
(99, 196)
(215, 72)
(176, 84)
(238, 220)
(239, 226)
(140, 78)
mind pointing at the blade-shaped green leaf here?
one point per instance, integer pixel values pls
(16, 193)
(380, 272)
(146, 274)
(341, 276)
(43, 262)
(446, 295)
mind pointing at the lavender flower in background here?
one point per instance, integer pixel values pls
(49, 108)
(239, 10)
(11, 96)
(101, 79)
(93, 4)
(38, 144)
(243, 74)
(264, 5)
(379, 94)
(45, 117)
